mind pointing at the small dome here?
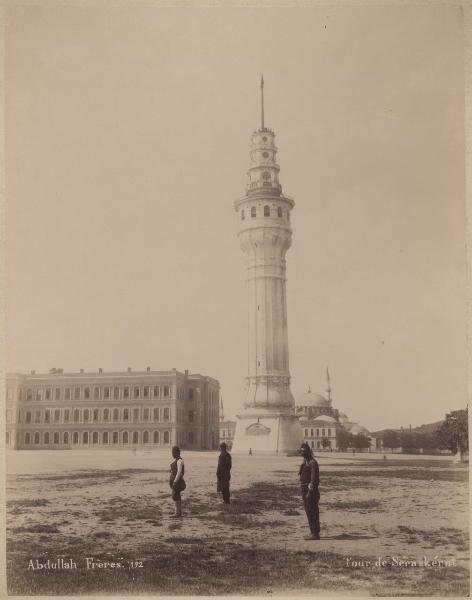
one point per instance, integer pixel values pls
(311, 399)
(325, 418)
(355, 428)
(343, 418)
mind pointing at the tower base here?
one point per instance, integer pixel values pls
(267, 432)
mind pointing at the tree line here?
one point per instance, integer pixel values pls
(452, 434)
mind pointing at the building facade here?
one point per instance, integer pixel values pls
(227, 428)
(120, 409)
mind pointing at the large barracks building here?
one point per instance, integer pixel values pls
(120, 409)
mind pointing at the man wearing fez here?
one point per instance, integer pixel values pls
(309, 474)
(223, 472)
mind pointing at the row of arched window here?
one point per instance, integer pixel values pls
(96, 415)
(86, 438)
(266, 212)
(98, 392)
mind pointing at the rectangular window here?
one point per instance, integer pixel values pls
(28, 417)
(329, 432)
(106, 393)
(135, 414)
(57, 415)
(29, 395)
(126, 392)
(116, 393)
(37, 416)
(96, 393)
(166, 391)
(66, 415)
(190, 416)
(323, 432)
(312, 433)
(57, 393)
(76, 415)
(156, 414)
(146, 391)
(77, 393)
(317, 433)
(48, 394)
(146, 414)
(306, 432)
(67, 394)
(156, 391)
(95, 414)
(39, 395)
(136, 392)
(46, 416)
(166, 414)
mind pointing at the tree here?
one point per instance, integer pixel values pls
(360, 441)
(407, 441)
(391, 439)
(343, 439)
(325, 442)
(426, 441)
(453, 433)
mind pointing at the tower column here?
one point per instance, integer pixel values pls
(268, 423)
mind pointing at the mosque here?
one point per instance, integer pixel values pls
(320, 421)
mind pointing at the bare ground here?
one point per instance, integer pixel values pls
(117, 509)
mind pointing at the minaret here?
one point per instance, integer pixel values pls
(268, 423)
(222, 416)
(328, 389)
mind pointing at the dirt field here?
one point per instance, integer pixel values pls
(394, 527)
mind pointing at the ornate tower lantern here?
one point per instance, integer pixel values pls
(268, 423)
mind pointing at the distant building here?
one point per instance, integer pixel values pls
(320, 421)
(227, 428)
(119, 409)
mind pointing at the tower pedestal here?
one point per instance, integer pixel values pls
(267, 432)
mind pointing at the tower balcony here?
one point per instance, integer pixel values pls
(265, 188)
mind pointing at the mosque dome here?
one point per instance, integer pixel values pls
(311, 399)
(325, 418)
(355, 429)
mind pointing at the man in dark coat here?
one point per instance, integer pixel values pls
(310, 480)
(223, 472)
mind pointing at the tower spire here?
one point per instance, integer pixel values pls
(262, 101)
(328, 389)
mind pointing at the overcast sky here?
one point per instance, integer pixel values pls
(128, 135)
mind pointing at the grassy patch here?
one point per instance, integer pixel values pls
(27, 503)
(389, 472)
(38, 528)
(359, 505)
(131, 509)
(444, 536)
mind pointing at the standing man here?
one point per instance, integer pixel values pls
(309, 480)
(223, 472)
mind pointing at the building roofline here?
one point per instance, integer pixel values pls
(59, 374)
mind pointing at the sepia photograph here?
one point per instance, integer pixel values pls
(235, 299)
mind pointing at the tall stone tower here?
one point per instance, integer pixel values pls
(268, 423)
